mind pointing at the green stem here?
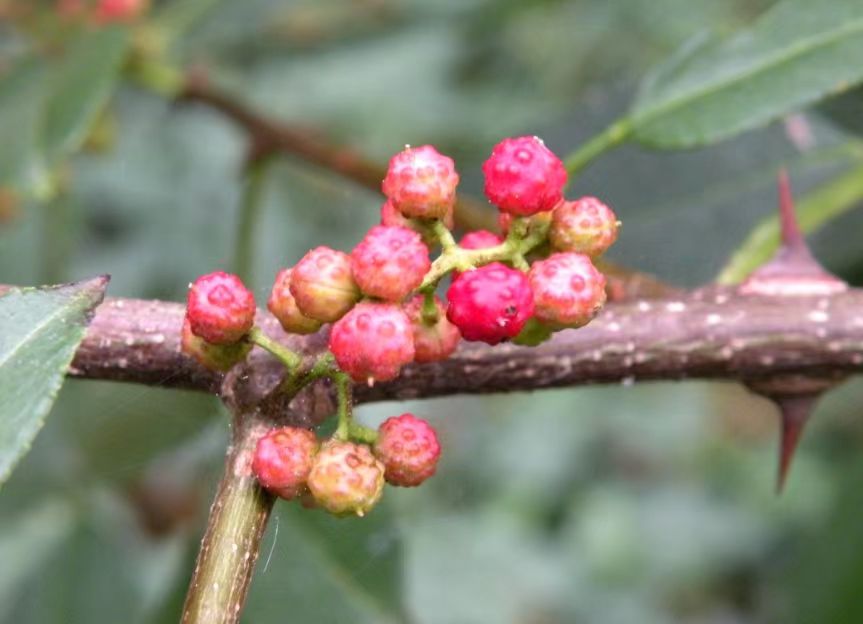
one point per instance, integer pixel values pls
(362, 434)
(250, 214)
(443, 235)
(817, 208)
(611, 137)
(429, 310)
(343, 394)
(290, 359)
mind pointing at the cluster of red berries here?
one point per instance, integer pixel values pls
(103, 11)
(534, 278)
(341, 476)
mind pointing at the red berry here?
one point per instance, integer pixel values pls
(323, 286)
(346, 478)
(221, 309)
(409, 449)
(490, 304)
(215, 357)
(108, 11)
(372, 342)
(284, 307)
(585, 226)
(283, 460)
(568, 289)
(421, 183)
(523, 177)
(391, 216)
(390, 262)
(480, 239)
(434, 342)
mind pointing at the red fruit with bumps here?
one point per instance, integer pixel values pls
(109, 11)
(390, 262)
(323, 285)
(215, 357)
(346, 478)
(568, 289)
(523, 177)
(432, 341)
(585, 225)
(490, 304)
(283, 460)
(372, 342)
(221, 310)
(480, 239)
(284, 307)
(421, 183)
(409, 449)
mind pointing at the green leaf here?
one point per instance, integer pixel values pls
(41, 330)
(818, 208)
(794, 54)
(79, 88)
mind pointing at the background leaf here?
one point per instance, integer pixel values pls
(40, 332)
(796, 53)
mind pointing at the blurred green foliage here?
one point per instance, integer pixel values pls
(624, 505)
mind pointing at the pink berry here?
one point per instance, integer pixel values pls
(390, 262)
(283, 460)
(409, 449)
(284, 307)
(215, 357)
(523, 177)
(220, 308)
(372, 342)
(346, 478)
(480, 239)
(568, 289)
(109, 11)
(432, 342)
(421, 183)
(323, 286)
(490, 304)
(585, 226)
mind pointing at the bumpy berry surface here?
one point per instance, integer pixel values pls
(372, 342)
(390, 262)
(568, 289)
(215, 357)
(421, 183)
(284, 307)
(490, 304)
(119, 10)
(220, 308)
(409, 449)
(480, 239)
(585, 225)
(323, 285)
(346, 478)
(283, 460)
(523, 177)
(434, 342)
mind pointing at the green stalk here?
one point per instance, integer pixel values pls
(250, 215)
(611, 137)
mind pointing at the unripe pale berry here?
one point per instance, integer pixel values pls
(421, 183)
(346, 478)
(480, 239)
(585, 225)
(391, 216)
(432, 342)
(215, 357)
(372, 342)
(283, 460)
(523, 177)
(409, 449)
(221, 310)
(490, 304)
(284, 307)
(390, 262)
(568, 289)
(323, 285)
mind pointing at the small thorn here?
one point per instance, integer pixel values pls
(793, 270)
(794, 412)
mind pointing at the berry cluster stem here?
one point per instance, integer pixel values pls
(290, 359)
(344, 396)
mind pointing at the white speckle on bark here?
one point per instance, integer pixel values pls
(818, 316)
(675, 306)
(713, 319)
